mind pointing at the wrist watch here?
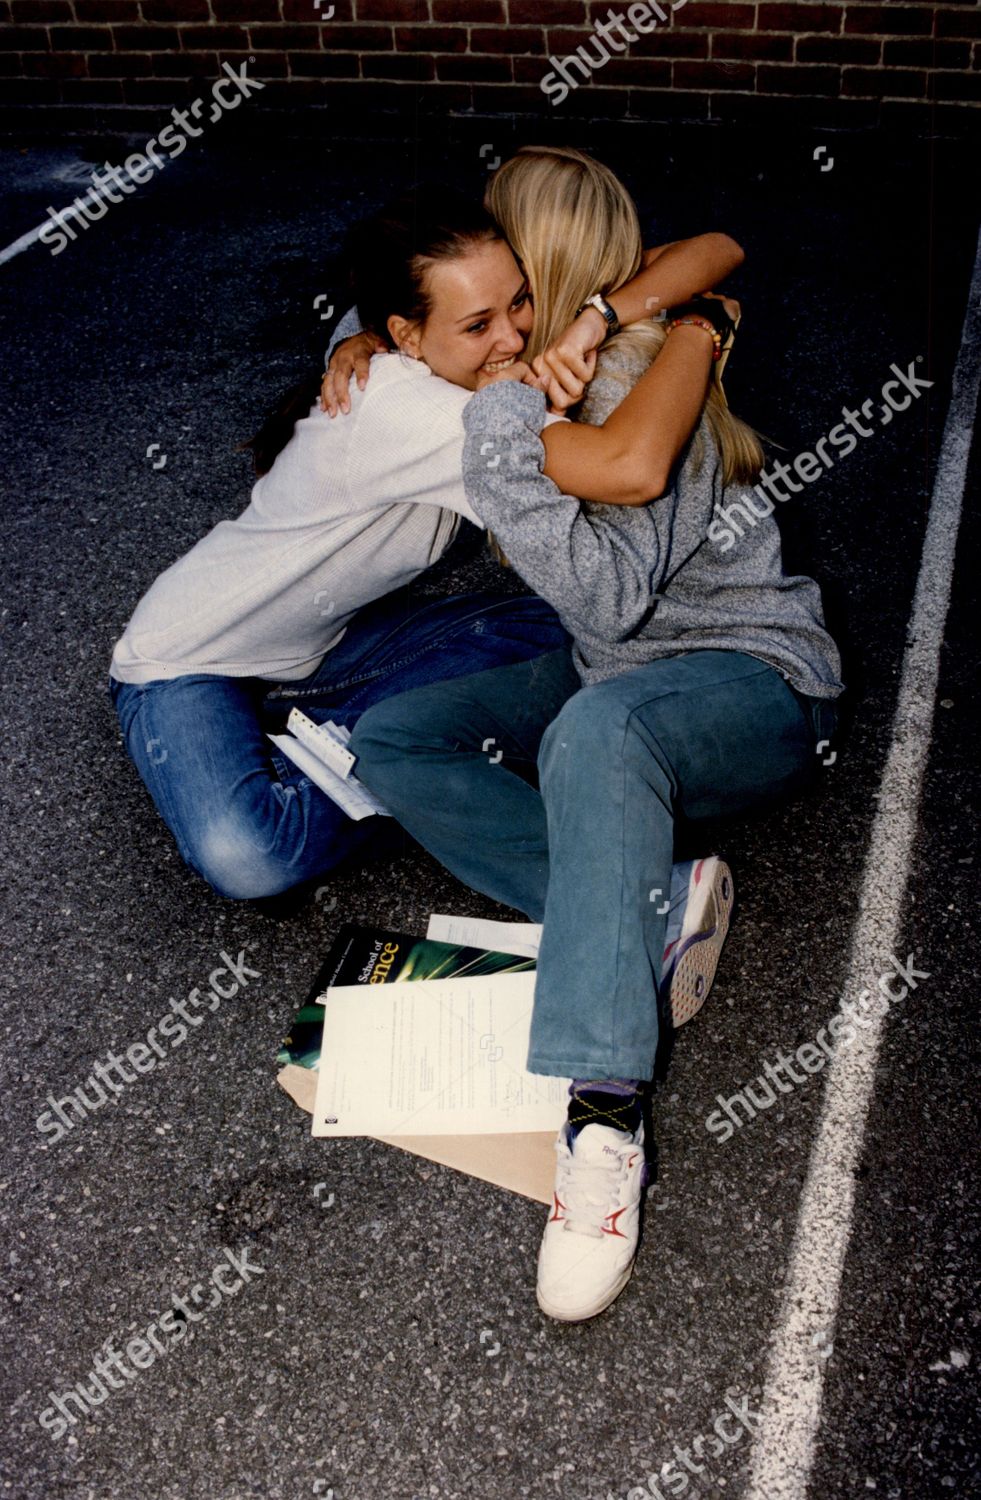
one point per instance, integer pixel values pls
(605, 310)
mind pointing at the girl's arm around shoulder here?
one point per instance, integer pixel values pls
(629, 459)
(599, 570)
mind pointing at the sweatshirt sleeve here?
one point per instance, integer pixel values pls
(348, 326)
(601, 573)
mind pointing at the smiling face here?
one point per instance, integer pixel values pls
(480, 315)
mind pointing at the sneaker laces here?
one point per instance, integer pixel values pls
(591, 1189)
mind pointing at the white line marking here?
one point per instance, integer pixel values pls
(27, 240)
(783, 1450)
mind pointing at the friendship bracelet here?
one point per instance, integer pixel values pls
(696, 322)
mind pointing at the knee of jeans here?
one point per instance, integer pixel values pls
(232, 862)
(387, 733)
(589, 727)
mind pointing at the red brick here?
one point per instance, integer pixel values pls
(146, 39)
(284, 38)
(797, 80)
(42, 10)
(246, 10)
(508, 39)
(721, 17)
(926, 54)
(323, 65)
(176, 10)
(600, 11)
(359, 39)
(711, 76)
(753, 45)
(563, 39)
(475, 69)
(880, 82)
(800, 18)
(120, 65)
(187, 65)
(548, 12)
(899, 20)
(24, 39)
(10, 65)
(54, 65)
(837, 49)
(267, 65)
(951, 86)
(306, 10)
(682, 44)
(431, 38)
(107, 10)
(407, 65)
(80, 38)
(481, 11)
(213, 38)
(393, 10)
(959, 23)
(642, 72)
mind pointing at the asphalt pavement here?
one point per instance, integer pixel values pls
(390, 1346)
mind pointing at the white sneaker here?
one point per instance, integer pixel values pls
(697, 926)
(590, 1240)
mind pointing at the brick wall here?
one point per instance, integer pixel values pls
(814, 62)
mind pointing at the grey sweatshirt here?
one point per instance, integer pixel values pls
(632, 584)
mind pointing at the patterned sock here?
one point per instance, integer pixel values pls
(617, 1102)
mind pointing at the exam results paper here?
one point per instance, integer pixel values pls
(433, 1057)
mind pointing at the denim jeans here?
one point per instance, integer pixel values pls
(243, 815)
(588, 851)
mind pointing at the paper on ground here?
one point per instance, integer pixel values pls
(520, 938)
(350, 795)
(433, 1057)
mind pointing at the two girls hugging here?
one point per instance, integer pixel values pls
(649, 679)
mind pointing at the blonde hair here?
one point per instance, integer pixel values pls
(573, 226)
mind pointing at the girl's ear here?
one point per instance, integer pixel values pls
(406, 336)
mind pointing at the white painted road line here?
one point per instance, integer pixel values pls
(783, 1451)
(16, 247)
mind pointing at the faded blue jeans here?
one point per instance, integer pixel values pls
(244, 817)
(588, 850)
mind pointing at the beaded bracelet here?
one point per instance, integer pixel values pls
(695, 322)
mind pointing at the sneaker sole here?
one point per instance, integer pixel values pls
(694, 968)
(593, 1309)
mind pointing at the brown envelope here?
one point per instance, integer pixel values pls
(523, 1163)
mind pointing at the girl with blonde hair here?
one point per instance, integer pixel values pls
(699, 683)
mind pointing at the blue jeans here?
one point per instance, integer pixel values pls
(243, 815)
(588, 851)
